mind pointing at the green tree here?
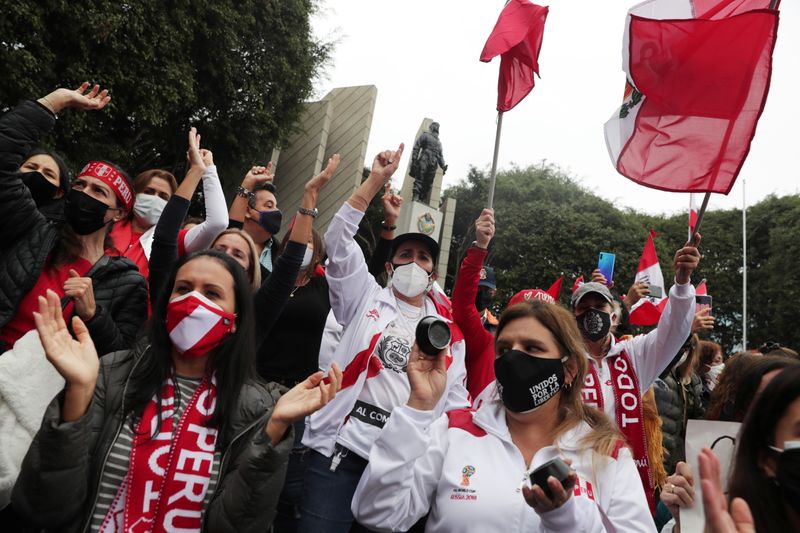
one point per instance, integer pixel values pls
(547, 225)
(238, 71)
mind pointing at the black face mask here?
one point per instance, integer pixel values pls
(42, 190)
(85, 214)
(270, 221)
(525, 382)
(594, 324)
(789, 476)
(483, 299)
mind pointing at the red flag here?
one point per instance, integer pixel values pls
(517, 39)
(701, 289)
(555, 288)
(698, 75)
(647, 311)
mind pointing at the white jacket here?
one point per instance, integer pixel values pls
(419, 462)
(28, 383)
(365, 309)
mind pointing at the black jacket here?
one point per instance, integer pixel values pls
(27, 237)
(677, 403)
(60, 475)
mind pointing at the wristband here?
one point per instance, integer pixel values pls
(244, 193)
(306, 211)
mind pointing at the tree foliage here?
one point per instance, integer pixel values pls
(238, 71)
(548, 225)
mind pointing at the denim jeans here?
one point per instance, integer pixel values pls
(288, 512)
(325, 507)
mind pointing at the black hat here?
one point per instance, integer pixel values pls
(429, 243)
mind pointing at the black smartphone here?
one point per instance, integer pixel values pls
(702, 301)
(556, 468)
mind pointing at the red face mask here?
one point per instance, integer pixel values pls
(196, 325)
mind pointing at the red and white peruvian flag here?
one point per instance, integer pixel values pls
(647, 311)
(698, 74)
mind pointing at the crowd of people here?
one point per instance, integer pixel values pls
(163, 373)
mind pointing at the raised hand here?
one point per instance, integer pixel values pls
(484, 228)
(392, 204)
(193, 153)
(536, 497)
(638, 290)
(75, 360)
(81, 291)
(718, 518)
(302, 400)
(686, 261)
(678, 491)
(386, 163)
(427, 376)
(208, 157)
(258, 175)
(703, 321)
(316, 183)
(79, 98)
(598, 277)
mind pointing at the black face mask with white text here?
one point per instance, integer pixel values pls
(525, 382)
(594, 324)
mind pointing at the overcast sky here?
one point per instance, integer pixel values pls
(423, 58)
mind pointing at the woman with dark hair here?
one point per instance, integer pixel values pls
(69, 257)
(45, 174)
(182, 412)
(755, 379)
(155, 189)
(471, 468)
(721, 402)
(766, 468)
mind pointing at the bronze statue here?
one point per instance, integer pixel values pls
(425, 158)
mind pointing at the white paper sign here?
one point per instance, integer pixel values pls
(721, 438)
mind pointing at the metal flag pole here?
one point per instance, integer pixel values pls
(700, 215)
(493, 175)
(744, 267)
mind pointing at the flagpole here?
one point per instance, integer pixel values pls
(700, 214)
(744, 267)
(493, 175)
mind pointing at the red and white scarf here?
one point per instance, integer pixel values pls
(169, 473)
(629, 412)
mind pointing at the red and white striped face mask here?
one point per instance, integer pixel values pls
(196, 325)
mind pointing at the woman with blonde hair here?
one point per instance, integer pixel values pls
(239, 245)
(471, 469)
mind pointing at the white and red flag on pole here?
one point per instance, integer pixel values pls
(698, 73)
(647, 311)
(694, 208)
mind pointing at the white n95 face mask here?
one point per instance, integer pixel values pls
(410, 280)
(148, 208)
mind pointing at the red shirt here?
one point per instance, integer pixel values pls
(127, 243)
(23, 322)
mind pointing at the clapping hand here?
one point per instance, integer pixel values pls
(194, 154)
(258, 175)
(302, 400)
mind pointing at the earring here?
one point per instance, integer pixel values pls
(568, 386)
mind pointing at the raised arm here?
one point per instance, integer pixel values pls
(254, 177)
(392, 204)
(654, 351)
(348, 277)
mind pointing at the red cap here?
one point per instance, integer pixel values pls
(112, 177)
(531, 294)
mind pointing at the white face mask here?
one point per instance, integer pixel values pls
(410, 280)
(714, 372)
(147, 208)
(307, 257)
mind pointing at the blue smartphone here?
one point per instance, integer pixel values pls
(606, 266)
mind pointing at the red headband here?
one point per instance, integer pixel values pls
(112, 177)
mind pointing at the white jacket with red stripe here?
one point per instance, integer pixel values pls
(464, 468)
(365, 309)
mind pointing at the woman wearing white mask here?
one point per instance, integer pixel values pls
(133, 237)
(379, 325)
